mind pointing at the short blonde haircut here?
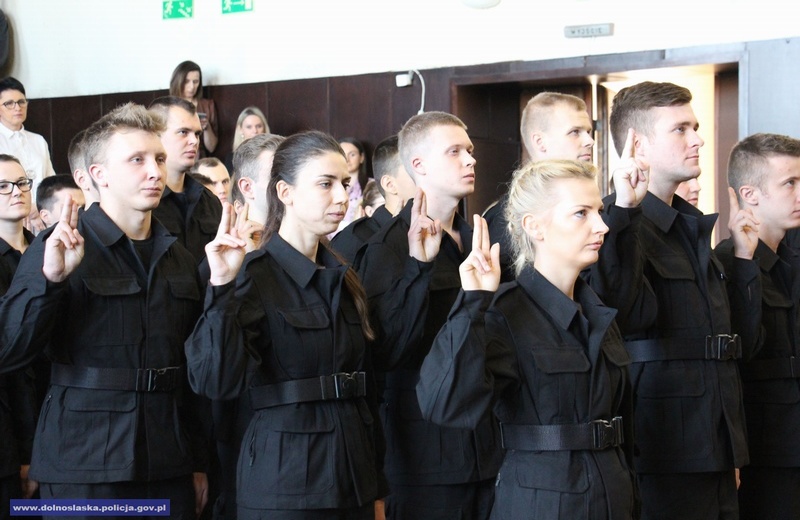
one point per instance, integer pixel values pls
(531, 192)
(415, 133)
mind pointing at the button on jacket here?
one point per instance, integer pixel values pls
(771, 400)
(689, 412)
(411, 301)
(109, 313)
(18, 404)
(294, 321)
(195, 225)
(538, 358)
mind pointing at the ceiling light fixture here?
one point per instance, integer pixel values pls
(480, 4)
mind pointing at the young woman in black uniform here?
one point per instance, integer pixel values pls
(290, 328)
(544, 352)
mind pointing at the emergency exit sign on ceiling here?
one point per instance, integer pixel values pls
(173, 9)
(589, 31)
(236, 6)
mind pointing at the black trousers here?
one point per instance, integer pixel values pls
(471, 501)
(772, 493)
(689, 496)
(9, 488)
(179, 491)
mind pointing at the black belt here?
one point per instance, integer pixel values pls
(778, 368)
(342, 385)
(126, 379)
(595, 435)
(722, 347)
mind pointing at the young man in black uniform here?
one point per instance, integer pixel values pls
(679, 324)
(252, 163)
(410, 273)
(553, 126)
(113, 297)
(764, 170)
(188, 210)
(395, 185)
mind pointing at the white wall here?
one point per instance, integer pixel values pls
(79, 47)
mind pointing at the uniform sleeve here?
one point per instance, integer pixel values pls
(24, 410)
(743, 280)
(216, 352)
(397, 291)
(469, 364)
(28, 310)
(618, 275)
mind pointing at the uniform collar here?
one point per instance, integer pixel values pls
(5, 247)
(192, 189)
(109, 233)
(297, 265)
(560, 307)
(663, 215)
(381, 216)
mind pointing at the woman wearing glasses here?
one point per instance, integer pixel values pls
(17, 390)
(30, 149)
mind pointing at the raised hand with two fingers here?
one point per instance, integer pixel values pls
(425, 234)
(63, 250)
(226, 252)
(481, 270)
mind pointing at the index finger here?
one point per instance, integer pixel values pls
(627, 150)
(417, 204)
(734, 200)
(423, 203)
(477, 233)
(66, 211)
(225, 220)
(73, 216)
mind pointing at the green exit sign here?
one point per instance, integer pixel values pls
(177, 9)
(236, 6)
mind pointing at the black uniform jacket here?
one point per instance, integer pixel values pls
(771, 387)
(689, 412)
(18, 404)
(351, 241)
(538, 358)
(411, 300)
(109, 313)
(193, 216)
(296, 321)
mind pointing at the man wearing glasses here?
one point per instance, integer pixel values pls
(31, 149)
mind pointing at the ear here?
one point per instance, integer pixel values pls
(532, 227)
(285, 192)
(45, 215)
(750, 195)
(640, 146)
(245, 185)
(538, 142)
(388, 184)
(418, 165)
(98, 174)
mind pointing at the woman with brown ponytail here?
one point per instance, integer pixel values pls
(288, 324)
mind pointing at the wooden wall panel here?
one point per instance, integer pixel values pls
(70, 115)
(112, 101)
(298, 105)
(40, 119)
(361, 107)
(230, 101)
